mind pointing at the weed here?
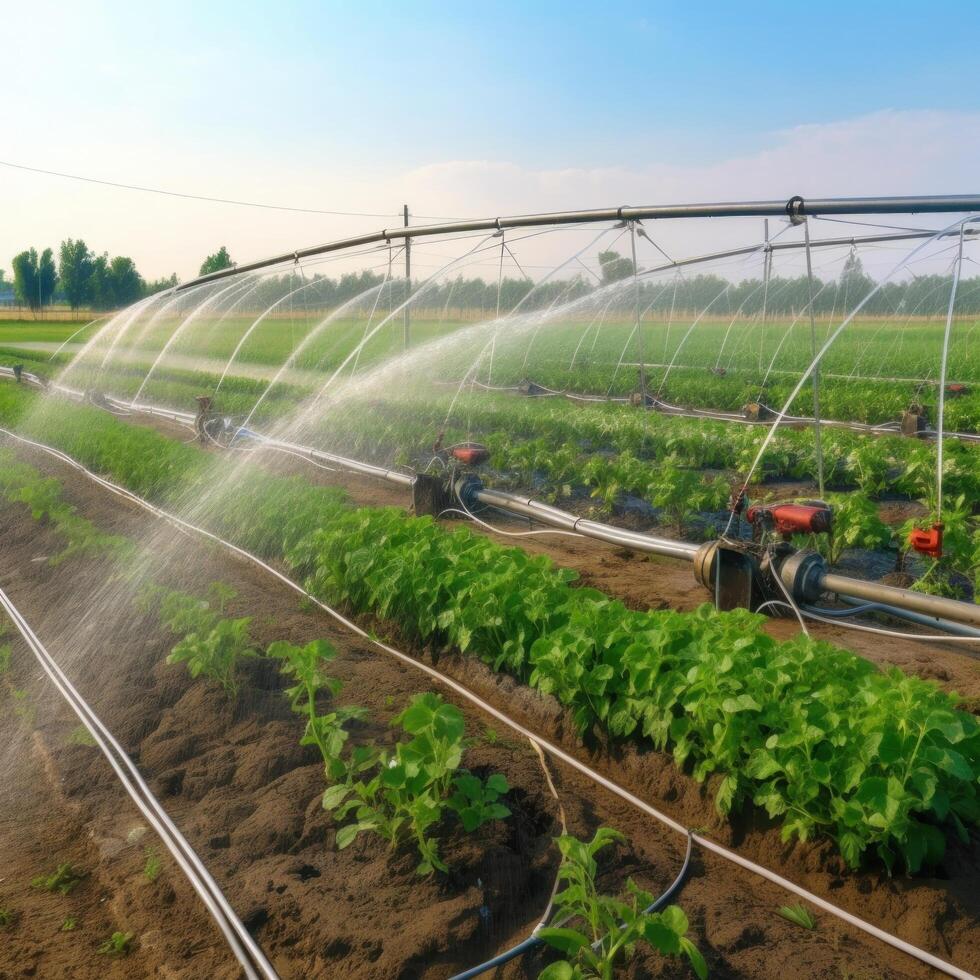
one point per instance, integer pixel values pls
(69, 924)
(799, 915)
(118, 944)
(7, 917)
(153, 866)
(63, 879)
(80, 735)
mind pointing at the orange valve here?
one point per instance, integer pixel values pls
(472, 454)
(789, 519)
(927, 542)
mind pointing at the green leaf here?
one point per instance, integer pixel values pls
(333, 796)
(562, 970)
(564, 940)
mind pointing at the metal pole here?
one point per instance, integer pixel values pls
(766, 269)
(817, 448)
(636, 314)
(940, 420)
(408, 283)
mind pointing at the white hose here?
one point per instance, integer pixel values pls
(709, 845)
(190, 863)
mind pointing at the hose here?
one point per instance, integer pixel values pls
(533, 941)
(243, 946)
(553, 750)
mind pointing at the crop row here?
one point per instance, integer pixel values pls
(820, 738)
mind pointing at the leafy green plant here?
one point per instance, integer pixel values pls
(412, 786)
(153, 865)
(216, 653)
(799, 915)
(855, 524)
(7, 917)
(118, 944)
(599, 932)
(80, 735)
(64, 879)
(24, 708)
(325, 731)
(70, 924)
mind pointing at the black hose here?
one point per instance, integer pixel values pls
(533, 941)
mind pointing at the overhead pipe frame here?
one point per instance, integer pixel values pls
(795, 208)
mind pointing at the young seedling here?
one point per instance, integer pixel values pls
(24, 708)
(325, 731)
(607, 929)
(69, 924)
(799, 915)
(118, 944)
(80, 735)
(413, 785)
(63, 879)
(216, 652)
(153, 866)
(219, 594)
(7, 917)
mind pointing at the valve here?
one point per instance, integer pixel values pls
(470, 453)
(790, 519)
(927, 542)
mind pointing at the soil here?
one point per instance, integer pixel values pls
(246, 794)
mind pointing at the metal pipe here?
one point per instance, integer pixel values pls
(554, 517)
(795, 207)
(858, 607)
(933, 606)
(770, 247)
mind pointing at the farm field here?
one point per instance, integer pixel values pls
(397, 729)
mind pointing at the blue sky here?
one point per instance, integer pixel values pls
(345, 105)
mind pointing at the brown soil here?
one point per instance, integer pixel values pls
(246, 795)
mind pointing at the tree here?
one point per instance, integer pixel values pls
(75, 271)
(854, 281)
(159, 285)
(125, 283)
(34, 279)
(213, 263)
(99, 287)
(614, 267)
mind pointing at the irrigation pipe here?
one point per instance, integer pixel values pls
(243, 946)
(533, 941)
(549, 747)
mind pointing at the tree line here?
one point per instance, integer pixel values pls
(80, 277)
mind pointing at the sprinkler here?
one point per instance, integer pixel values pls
(927, 542)
(470, 453)
(790, 519)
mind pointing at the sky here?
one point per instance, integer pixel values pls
(462, 110)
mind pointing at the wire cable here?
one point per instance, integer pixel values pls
(203, 197)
